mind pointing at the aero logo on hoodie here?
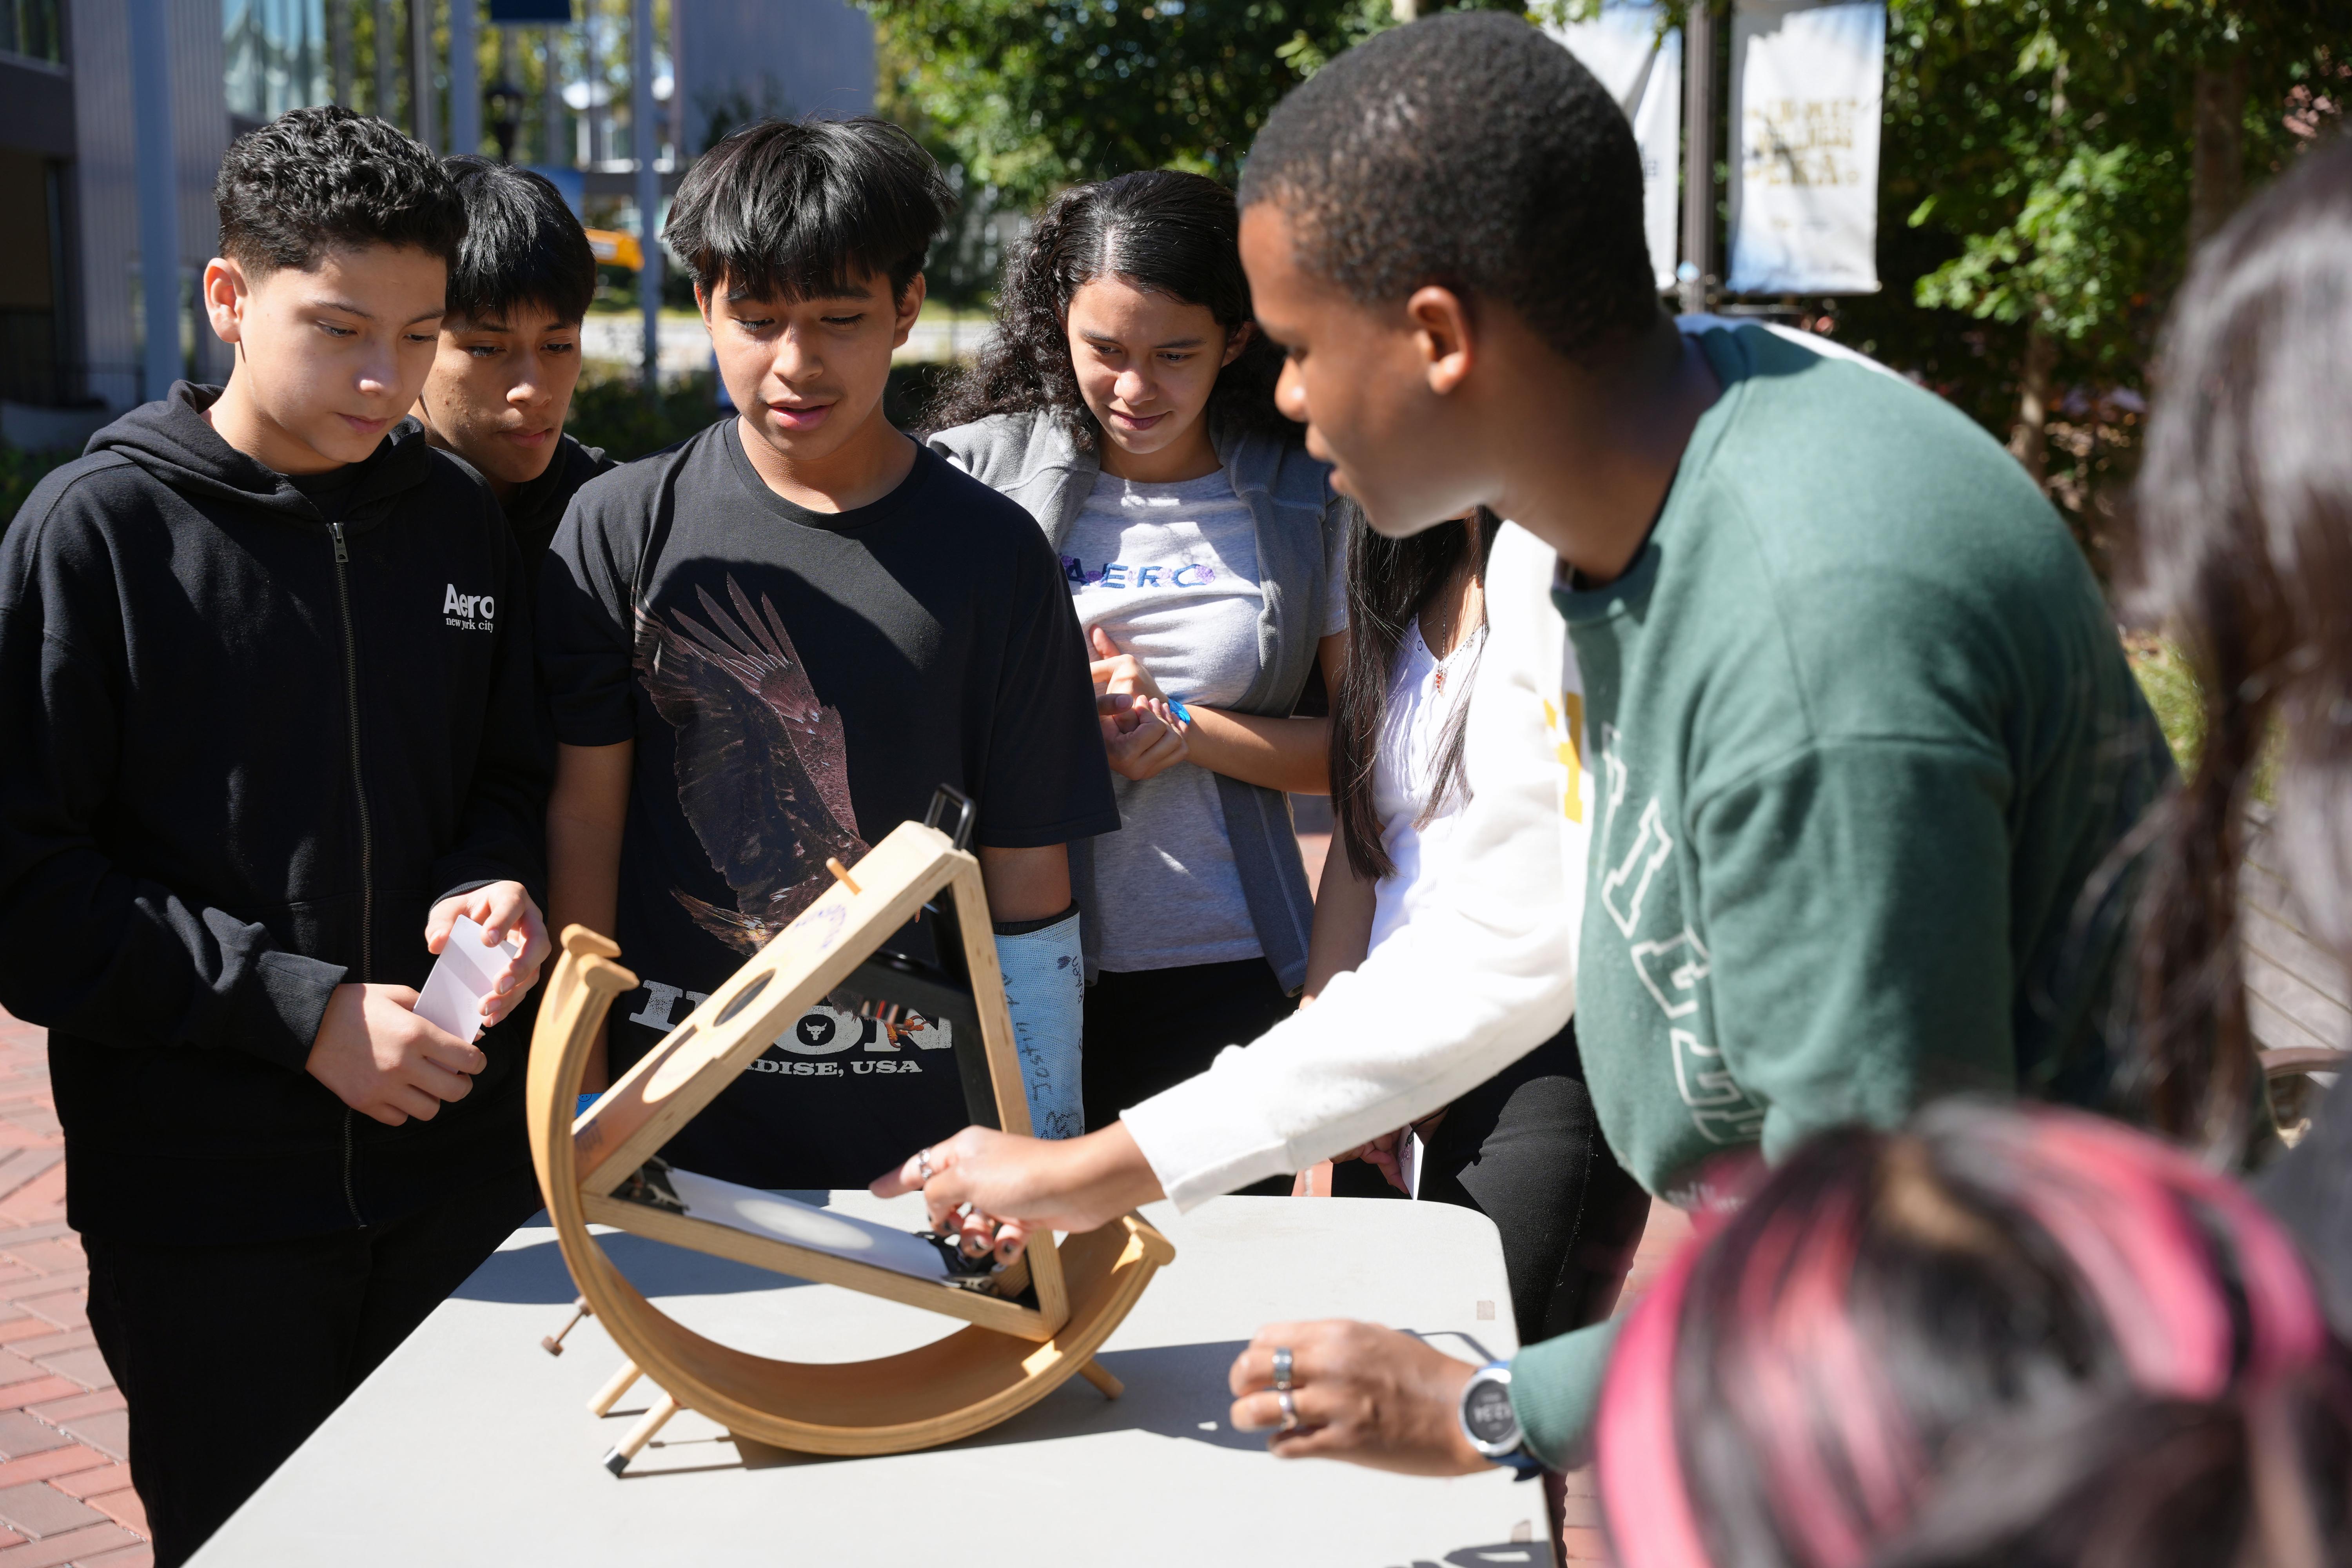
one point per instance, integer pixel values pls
(468, 612)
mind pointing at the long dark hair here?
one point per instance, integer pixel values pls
(1174, 233)
(1390, 583)
(2244, 554)
(1797, 1390)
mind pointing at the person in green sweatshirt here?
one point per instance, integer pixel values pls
(1854, 741)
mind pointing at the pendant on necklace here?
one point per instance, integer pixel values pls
(1440, 684)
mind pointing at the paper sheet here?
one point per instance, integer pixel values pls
(463, 978)
(758, 1213)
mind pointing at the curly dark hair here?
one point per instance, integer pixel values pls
(1470, 152)
(1175, 233)
(315, 180)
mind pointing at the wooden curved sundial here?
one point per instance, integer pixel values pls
(1026, 1330)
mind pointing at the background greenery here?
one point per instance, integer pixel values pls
(2040, 177)
(2045, 169)
(20, 471)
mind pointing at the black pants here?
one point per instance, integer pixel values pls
(1150, 1029)
(230, 1356)
(1525, 1149)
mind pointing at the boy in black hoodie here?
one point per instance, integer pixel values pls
(265, 729)
(510, 354)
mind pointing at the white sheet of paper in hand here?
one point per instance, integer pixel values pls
(463, 978)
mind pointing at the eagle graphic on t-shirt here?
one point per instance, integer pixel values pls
(762, 767)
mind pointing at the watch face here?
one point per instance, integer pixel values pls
(1486, 1412)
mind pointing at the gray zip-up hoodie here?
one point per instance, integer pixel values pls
(1032, 459)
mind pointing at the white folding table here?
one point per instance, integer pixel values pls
(471, 1444)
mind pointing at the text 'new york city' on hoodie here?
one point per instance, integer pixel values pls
(245, 746)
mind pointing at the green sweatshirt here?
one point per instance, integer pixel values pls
(1862, 730)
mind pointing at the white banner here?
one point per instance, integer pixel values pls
(1643, 72)
(1807, 90)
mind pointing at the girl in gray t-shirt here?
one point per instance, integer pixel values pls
(1126, 399)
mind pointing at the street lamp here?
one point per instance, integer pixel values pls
(504, 101)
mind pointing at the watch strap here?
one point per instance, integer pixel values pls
(1515, 1457)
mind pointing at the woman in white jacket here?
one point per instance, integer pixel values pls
(1524, 1148)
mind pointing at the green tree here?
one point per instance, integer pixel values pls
(2045, 170)
(1032, 95)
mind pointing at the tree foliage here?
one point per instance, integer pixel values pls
(1035, 94)
(2036, 178)
(1032, 95)
(2054, 143)
(2036, 174)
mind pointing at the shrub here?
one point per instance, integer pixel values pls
(20, 471)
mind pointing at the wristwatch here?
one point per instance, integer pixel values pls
(1489, 1422)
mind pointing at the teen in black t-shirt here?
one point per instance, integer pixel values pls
(769, 646)
(795, 684)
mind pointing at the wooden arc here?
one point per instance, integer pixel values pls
(937, 1393)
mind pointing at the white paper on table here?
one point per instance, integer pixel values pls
(463, 977)
(759, 1213)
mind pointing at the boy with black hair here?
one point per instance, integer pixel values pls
(1841, 737)
(767, 646)
(510, 356)
(254, 769)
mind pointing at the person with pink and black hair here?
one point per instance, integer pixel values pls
(1904, 1345)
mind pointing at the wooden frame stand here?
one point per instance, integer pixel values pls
(1019, 1343)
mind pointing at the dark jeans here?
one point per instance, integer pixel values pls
(230, 1356)
(1525, 1149)
(1150, 1029)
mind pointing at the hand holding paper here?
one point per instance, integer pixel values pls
(464, 980)
(384, 1059)
(506, 969)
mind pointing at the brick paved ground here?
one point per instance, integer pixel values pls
(64, 1494)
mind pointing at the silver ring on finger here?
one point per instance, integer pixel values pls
(1289, 1402)
(923, 1166)
(1282, 1369)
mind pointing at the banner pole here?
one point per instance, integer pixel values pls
(645, 133)
(1698, 156)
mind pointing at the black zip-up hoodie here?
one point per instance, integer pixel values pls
(243, 751)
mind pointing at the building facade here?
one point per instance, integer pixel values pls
(72, 279)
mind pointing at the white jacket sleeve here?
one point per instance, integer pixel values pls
(1483, 971)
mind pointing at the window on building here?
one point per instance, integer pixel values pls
(30, 364)
(277, 53)
(29, 28)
